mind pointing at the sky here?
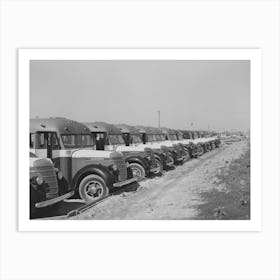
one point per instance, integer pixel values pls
(190, 94)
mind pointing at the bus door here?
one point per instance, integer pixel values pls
(100, 141)
(144, 139)
(126, 138)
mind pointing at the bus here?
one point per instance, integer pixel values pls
(69, 144)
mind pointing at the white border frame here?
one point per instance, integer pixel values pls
(254, 55)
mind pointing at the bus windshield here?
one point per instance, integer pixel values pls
(77, 140)
(116, 139)
(152, 138)
(188, 135)
(85, 140)
(172, 136)
(160, 137)
(69, 140)
(135, 138)
(195, 135)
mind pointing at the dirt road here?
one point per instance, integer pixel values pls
(176, 195)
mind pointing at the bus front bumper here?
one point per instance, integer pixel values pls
(169, 163)
(53, 200)
(123, 183)
(180, 159)
(154, 169)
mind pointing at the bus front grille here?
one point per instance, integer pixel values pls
(149, 153)
(120, 162)
(49, 176)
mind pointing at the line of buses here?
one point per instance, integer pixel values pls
(89, 160)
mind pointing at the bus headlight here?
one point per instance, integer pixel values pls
(39, 180)
(59, 175)
(114, 167)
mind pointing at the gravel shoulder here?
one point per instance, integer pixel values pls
(184, 192)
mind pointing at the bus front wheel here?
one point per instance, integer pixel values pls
(138, 170)
(92, 188)
(159, 167)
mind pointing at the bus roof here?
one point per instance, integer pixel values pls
(103, 127)
(125, 128)
(178, 132)
(166, 130)
(60, 125)
(186, 131)
(148, 129)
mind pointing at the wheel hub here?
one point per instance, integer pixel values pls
(136, 172)
(94, 189)
(157, 168)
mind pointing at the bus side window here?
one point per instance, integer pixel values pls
(41, 140)
(31, 140)
(106, 139)
(55, 142)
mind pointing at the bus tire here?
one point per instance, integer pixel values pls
(159, 167)
(92, 188)
(172, 157)
(138, 170)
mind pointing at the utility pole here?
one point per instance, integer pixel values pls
(158, 118)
